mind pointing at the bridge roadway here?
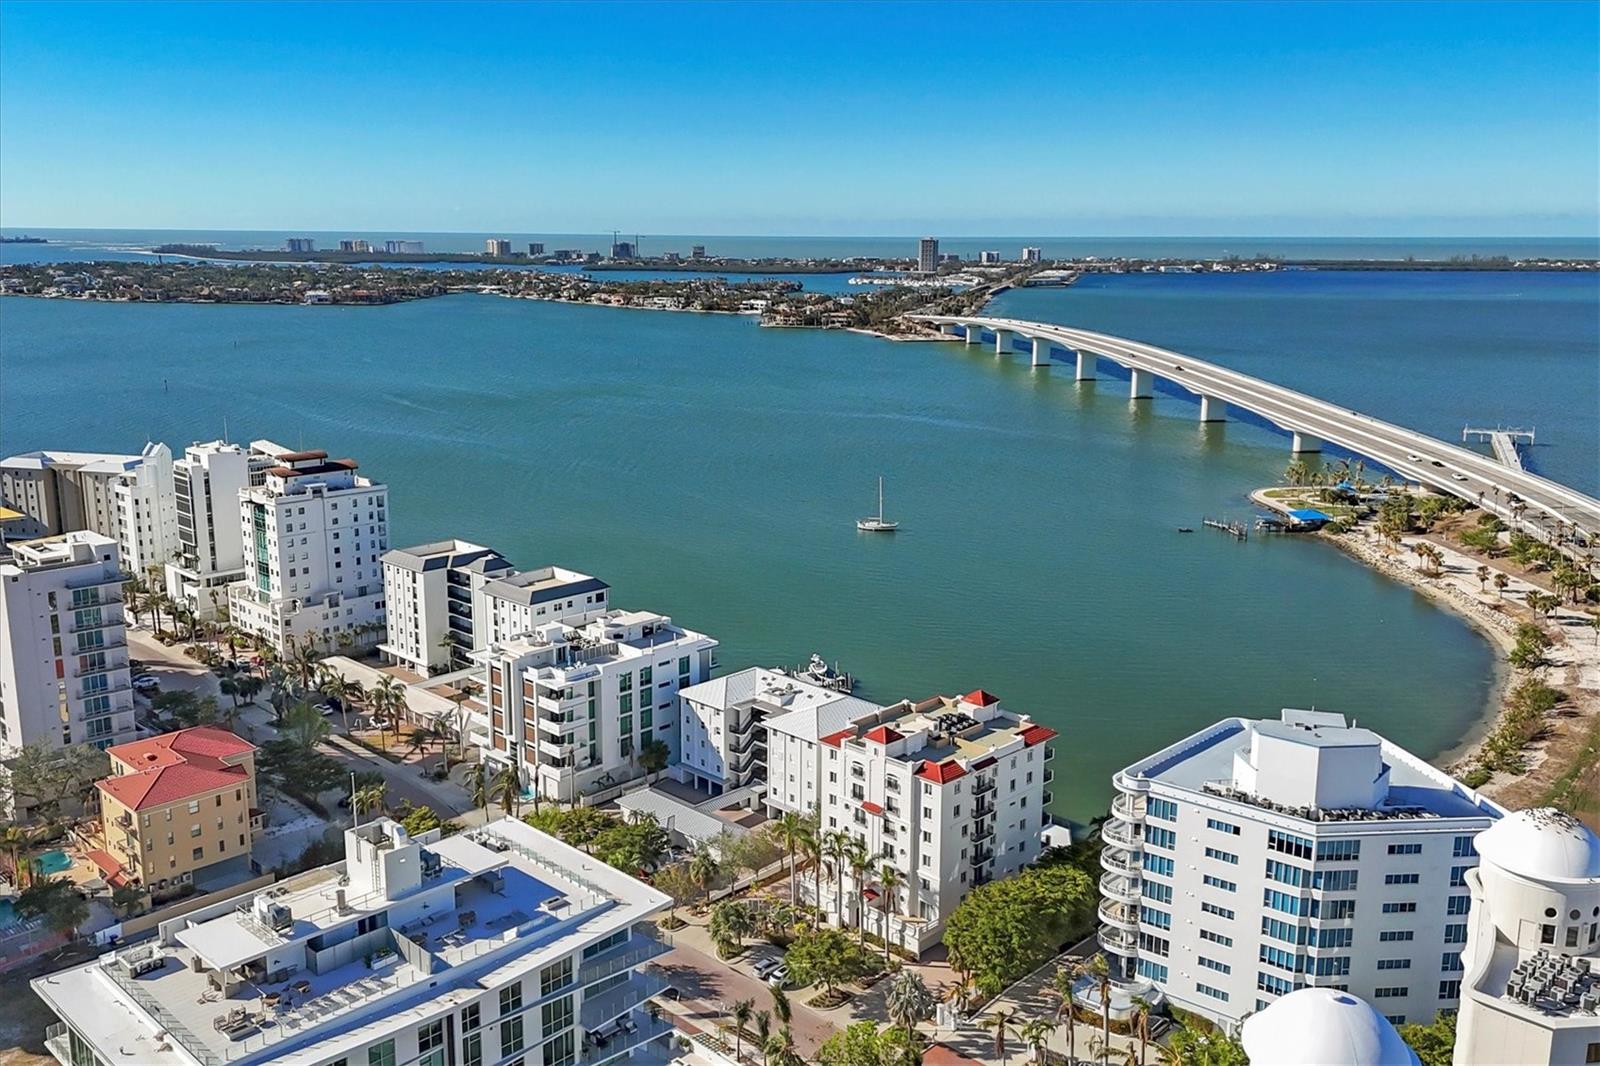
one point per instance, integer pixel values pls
(1548, 509)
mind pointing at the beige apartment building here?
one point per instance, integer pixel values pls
(178, 808)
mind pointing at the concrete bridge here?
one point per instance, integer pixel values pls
(1524, 500)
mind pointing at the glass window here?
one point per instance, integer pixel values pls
(556, 1015)
(511, 998)
(472, 1050)
(381, 1054)
(511, 1036)
(471, 1017)
(561, 1050)
(555, 976)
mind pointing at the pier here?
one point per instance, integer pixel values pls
(1536, 505)
(1502, 441)
(1238, 530)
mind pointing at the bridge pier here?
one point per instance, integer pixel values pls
(950, 329)
(1304, 443)
(1086, 365)
(1041, 352)
(974, 334)
(1213, 409)
(1002, 342)
(1142, 385)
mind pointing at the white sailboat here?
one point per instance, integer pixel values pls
(875, 523)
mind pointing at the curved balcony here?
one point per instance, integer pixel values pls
(1118, 941)
(1130, 785)
(1121, 915)
(1128, 808)
(1118, 887)
(1120, 833)
(1115, 860)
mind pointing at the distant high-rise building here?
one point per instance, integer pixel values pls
(497, 246)
(125, 497)
(300, 244)
(697, 251)
(210, 551)
(623, 250)
(988, 258)
(403, 247)
(355, 244)
(1030, 255)
(928, 255)
(535, 248)
(674, 257)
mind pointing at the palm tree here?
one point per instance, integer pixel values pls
(891, 880)
(16, 840)
(1501, 582)
(860, 863)
(1101, 972)
(703, 868)
(790, 828)
(368, 799)
(1036, 1034)
(779, 1049)
(812, 847)
(835, 846)
(780, 1005)
(480, 791)
(1483, 578)
(763, 1029)
(1001, 1021)
(1064, 987)
(959, 993)
(1141, 1021)
(909, 1002)
(507, 787)
(743, 1010)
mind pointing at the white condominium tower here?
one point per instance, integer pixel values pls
(951, 793)
(433, 601)
(206, 485)
(469, 596)
(1530, 990)
(572, 707)
(63, 645)
(761, 725)
(495, 946)
(1257, 857)
(313, 533)
(125, 497)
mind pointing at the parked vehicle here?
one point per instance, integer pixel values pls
(779, 978)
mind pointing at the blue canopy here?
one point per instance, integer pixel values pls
(1307, 514)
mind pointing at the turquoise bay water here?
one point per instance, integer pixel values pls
(713, 470)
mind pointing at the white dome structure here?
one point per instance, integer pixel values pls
(1543, 844)
(1323, 1027)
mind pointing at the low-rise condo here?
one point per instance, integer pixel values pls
(496, 945)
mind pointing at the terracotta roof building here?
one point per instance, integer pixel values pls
(176, 806)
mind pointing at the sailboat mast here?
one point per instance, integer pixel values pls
(880, 497)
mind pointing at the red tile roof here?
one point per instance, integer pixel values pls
(1037, 734)
(884, 735)
(109, 867)
(942, 772)
(980, 698)
(870, 807)
(834, 739)
(175, 766)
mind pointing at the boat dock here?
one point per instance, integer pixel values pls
(1503, 441)
(1239, 530)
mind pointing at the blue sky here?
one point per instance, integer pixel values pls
(1127, 119)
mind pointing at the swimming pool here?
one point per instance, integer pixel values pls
(52, 862)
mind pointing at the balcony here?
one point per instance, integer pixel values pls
(1118, 887)
(611, 1045)
(58, 1043)
(1049, 798)
(983, 832)
(1049, 775)
(106, 620)
(1121, 915)
(1118, 941)
(613, 1003)
(1121, 834)
(1114, 860)
(87, 671)
(1128, 808)
(981, 856)
(636, 952)
(982, 809)
(983, 786)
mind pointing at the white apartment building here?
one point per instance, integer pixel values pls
(572, 706)
(433, 593)
(313, 534)
(125, 497)
(63, 645)
(989, 259)
(1530, 986)
(495, 946)
(1030, 255)
(206, 485)
(761, 725)
(951, 792)
(1255, 858)
(519, 602)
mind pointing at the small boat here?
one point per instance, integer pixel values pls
(876, 523)
(1185, 529)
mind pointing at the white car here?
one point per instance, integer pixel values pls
(779, 978)
(1459, 477)
(146, 683)
(764, 967)
(328, 710)
(1414, 457)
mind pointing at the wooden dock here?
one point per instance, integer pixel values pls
(1238, 530)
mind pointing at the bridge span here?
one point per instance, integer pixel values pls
(1539, 506)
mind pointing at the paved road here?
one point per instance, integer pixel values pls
(708, 987)
(1421, 458)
